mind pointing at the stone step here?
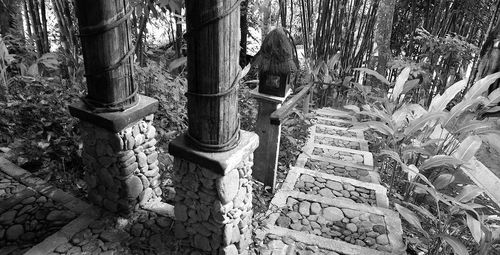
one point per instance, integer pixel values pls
(339, 131)
(338, 141)
(332, 225)
(356, 157)
(334, 122)
(335, 115)
(328, 185)
(338, 168)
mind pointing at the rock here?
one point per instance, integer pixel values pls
(304, 208)
(152, 157)
(294, 216)
(377, 219)
(349, 187)
(180, 230)
(128, 170)
(379, 229)
(349, 213)
(136, 229)
(382, 239)
(351, 227)
(74, 250)
(28, 200)
(334, 185)
(296, 226)
(291, 201)
(14, 232)
(227, 186)
(315, 208)
(60, 215)
(326, 192)
(333, 214)
(283, 221)
(230, 250)
(202, 243)
(345, 193)
(180, 212)
(307, 178)
(8, 217)
(114, 236)
(63, 248)
(134, 187)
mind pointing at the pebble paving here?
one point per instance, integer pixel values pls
(331, 202)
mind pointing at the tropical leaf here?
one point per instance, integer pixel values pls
(410, 217)
(461, 108)
(422, 121)
(393, 155)
(407, 113)
(177, 63)
(409, 85)
(457, 246)
(380, 127)
(374, 73)
(422, 211)
(413, 173)
(494, 98)
(468, 148)
(400, 82)
(245, 71)
(443, 180)
(353, 108)
(481, 86)
(474, 227)
(468, 193)
(477, 127)
(440, 102)
(440, 160)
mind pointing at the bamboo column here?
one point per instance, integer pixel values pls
(119, 153)
(213, 160)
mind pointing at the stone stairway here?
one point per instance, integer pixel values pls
(332, 202)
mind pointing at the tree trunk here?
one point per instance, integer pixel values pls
(213, 70)
(381, 51)
(45, 32)
(266, 18)
(178, 34)
(107, 53)
(11, 21)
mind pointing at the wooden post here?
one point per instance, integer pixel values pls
(213, 160)
(266, 155)
(107, 53)
(213, 73)
(119, 147)
(307, 102)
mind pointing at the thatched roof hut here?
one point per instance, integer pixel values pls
(276, 54)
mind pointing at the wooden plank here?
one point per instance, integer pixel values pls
(266, 155)
(283, 111)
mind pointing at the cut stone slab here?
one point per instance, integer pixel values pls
(339, 168)
(359, 191)
(339, 131)
(335, 236)
(356, 157)
(338, 141)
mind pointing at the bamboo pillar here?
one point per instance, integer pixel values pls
(213, 160)
(213, 50)
(119, 153)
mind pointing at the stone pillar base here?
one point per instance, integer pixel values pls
(119, 156)
(213, 208)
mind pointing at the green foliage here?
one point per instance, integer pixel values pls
(416, 146)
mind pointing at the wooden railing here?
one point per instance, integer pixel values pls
(281, 113)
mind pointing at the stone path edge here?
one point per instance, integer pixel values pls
(362, 143)
(367, 156)
(295, 172)
(392, 220)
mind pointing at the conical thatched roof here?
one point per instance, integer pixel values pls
(276, 53)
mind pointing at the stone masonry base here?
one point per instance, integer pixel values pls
(121, 169)
(213, 209)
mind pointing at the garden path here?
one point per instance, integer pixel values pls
(331, 202)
